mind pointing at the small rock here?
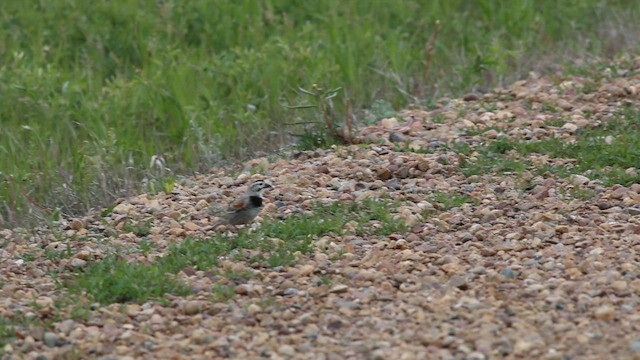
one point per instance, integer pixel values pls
(254, 309)
(77, 263)
(340, 288)
(570, 127)
(322, 169)
(470, 97)
(287, 350)
(619, 285)
(190, 226)
(132, 309)
(635, 346)
(201, 337)
(523, 346)
(564, 105)
(605, 313)
(193, 307)
(202, 204)
(66, 326)
(157, 319)
(154, 206)
(508, 273)
(53, 340)
(384, 174)
(397, 137)
(491, 134)
(577, 179)
(76, 224)
(459, 282)
(633, 211)
(306, 269)
(389, 123)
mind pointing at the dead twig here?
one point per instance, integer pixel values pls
(347, 120)
(430, 47)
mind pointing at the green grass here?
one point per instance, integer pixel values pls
(91, 90)
(6, 332)
(592, 155)
(113, 280)
(448, 201)
(222, 293)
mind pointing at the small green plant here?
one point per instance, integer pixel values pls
(56, 255)
(447, 201)
(548, 107)
(589, 87)
(137, 228)
(145, 245)
(331, 132)
(374, 217)
(489, 106)
(557, 122)
(7, 332)
(29, 256)
(113, 280)
(500, 146)
(581, 193)
(326, 280)
(222, 293)
(479, 131)
(439, 119)
(238, 276)
(380, 109)
(162, 184)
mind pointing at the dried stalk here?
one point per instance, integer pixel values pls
(430, 46)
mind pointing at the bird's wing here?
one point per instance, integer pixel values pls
(239, 204)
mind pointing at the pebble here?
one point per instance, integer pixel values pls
(77, 263)
(53, 340)
(193, 307)
(605, 313)
(579, 179)
(340, 288)
(397, 137)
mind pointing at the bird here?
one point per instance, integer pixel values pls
(245, 208)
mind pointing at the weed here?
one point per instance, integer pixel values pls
(137, 228)
(581, 193)
(222, 293)
(29, 256)
(548, 107)
(439, 119)
(479, 131)
(113, 280)
(607, 151)
(326, 280)
(56, 255)
(557, 122)
(447, 201)
(145, 245)
(489, 106)
(7, 331)
(380, 109)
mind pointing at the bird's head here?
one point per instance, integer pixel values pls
(258, 187)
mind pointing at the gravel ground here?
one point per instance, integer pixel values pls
(515, 272)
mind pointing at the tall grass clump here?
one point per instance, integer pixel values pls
(91, 90)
